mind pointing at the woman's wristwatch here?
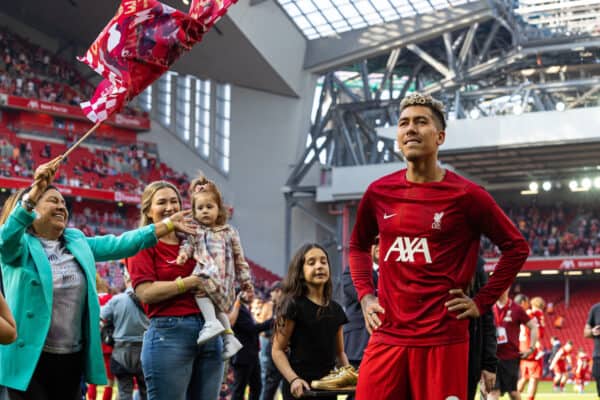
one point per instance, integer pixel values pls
(27, 202)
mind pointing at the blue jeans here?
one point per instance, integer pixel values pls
(175, 367)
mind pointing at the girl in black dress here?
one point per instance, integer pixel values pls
(308, 323)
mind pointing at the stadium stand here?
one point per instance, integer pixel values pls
(565, 229)
(30, 71)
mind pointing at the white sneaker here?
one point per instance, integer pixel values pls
(210, 330)
(230, 346)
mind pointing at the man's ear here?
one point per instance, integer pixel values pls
(441, 138)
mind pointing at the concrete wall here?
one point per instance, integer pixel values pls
(275, 37)
(28, 32)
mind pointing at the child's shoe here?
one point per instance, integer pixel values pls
(230, 345)
(210, 330)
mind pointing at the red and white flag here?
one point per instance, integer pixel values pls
(139, 44)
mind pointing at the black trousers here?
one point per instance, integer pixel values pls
(596, 373)
(246, 375)
(56, 376)
(272, 380)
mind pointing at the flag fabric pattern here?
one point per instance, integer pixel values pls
(139, 44)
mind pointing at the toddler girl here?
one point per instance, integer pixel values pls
(219, 262)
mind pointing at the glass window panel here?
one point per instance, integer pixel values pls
(183, 107)
(348, 10)
(222, 131)
(145, 99)
(359, 25)
(331, 14)
(341, 25)
(306, 6)
(292, 10)
(317, 18)
(202, 114)
(164, 94)
(302, 22)
(326, 31)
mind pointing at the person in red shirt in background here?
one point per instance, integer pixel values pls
(532, 367)
(559, 363)
(582, 372)
(430, 221)
(104, 295)
(509, 317)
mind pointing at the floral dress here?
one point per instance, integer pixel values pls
(219, 262)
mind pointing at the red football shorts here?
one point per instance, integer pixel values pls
(416, 373)
(582, 375)
(560, 368)
(531, 369)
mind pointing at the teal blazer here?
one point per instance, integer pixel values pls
(28, 287)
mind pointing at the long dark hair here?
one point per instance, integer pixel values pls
(294, 285)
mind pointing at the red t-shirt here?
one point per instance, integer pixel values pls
(563, 356)
(583, 366)
(525, 337)
(508, 325)
(158, 264)
(429, 244)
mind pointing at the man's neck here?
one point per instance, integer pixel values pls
(424, 171)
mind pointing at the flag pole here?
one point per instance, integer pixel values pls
(88, 133)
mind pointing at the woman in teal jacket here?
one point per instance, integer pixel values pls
(49, 275)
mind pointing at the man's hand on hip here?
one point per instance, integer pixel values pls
(371, 310)
(463, 303)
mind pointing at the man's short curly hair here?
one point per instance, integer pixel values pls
(425, 100)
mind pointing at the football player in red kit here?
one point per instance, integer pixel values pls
(559, 366)
(582, 372)
(430, 221)
(532, 366)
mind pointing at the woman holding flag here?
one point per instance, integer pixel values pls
(49, 271)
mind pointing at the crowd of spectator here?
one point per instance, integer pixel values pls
(30, 71)
(16, 161)
(557, 230)
(134, 160)
(121, 168)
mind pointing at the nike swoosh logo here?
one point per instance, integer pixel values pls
(388, 216)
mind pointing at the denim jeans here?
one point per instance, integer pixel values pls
(175, 367)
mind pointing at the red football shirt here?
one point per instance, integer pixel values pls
(563, 356)
(525, 337)
(429, 244)
(510, 318)
(158, 264)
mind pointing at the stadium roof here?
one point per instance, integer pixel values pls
(562, 16)
(322, 18)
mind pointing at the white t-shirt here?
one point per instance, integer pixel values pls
(69, 300)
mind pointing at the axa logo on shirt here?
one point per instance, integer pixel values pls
(405, 248)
